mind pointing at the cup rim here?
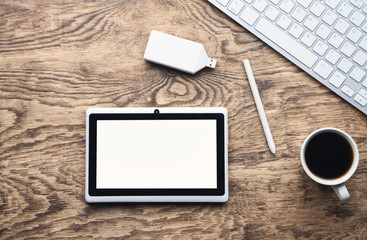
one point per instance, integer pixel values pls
(347, 175)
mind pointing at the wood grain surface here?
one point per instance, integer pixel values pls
(57, 58)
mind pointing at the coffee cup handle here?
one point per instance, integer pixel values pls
(342, 191)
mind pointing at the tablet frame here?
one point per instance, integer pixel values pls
(94, 195)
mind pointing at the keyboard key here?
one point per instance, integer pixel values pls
(341, 26)
(335, 40)
(357, 3)
(329, 17)
(347, 90)
(272, 13)
(365, 83)
(363, 43)
(354, 35)
(323, 31)
(357, 18)
(348, 49)
(364, 27)
(320, 47)
(345, 65)
(287, 6)
(361, 100)
(284, 21)
(360, 58)
(236, 6)
(323, 69)
(284, 41)
(337, 79)
(332, 3)
(275, 1)
(296, 30)
(363, 93)
(249, 16)
(223, 2)
(365, 9)
(357, 74)
(311, 22)
(248, 1)
(299, 14)
(332, 56)
(317, 8)
(305, 3)
(345, 9)
(308, 39)
(260, 5)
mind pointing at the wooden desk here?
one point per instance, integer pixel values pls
(57, 58)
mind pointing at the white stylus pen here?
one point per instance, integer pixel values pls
(259, 105)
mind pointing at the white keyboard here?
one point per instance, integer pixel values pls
(327, 39)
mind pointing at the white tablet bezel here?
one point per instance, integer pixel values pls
(174, 198)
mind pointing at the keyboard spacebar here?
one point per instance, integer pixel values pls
(280, 38)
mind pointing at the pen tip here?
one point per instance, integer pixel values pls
(273, 150)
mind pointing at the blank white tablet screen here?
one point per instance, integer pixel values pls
(159, 154)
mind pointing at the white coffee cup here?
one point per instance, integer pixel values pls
(338, 184)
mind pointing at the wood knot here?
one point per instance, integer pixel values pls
(178, 88)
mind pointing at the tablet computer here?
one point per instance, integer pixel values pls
(156, 155)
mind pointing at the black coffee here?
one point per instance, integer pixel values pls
(329, 155)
